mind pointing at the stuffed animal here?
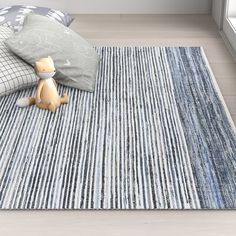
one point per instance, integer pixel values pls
(47, 96)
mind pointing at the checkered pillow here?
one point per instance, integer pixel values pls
(15, 74)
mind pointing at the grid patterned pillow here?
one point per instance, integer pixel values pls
(15, 74)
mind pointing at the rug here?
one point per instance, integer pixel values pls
(155, 134)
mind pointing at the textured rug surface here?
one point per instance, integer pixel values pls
(155, 135)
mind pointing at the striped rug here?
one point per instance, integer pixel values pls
(154, 135)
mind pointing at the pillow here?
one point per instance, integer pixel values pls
(75, 59)
(15, 74)
(14, 16)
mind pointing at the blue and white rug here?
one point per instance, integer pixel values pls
(155, 135)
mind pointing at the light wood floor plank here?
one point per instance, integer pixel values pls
(227, 85)
(113, 34)
(145, 26)
(114, 223)
(234, 119)
(224, 69)
(218, 53)
(231, 103)
(157, 22)
(159, 41)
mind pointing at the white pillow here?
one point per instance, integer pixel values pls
(15, 74)
(75, 59)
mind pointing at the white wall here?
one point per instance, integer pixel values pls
(217, 12)
(121, 6)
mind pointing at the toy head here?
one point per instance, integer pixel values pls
(45, 68)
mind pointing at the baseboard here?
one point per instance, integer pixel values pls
(228, 45)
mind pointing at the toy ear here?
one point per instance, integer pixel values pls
(50, 61)
(38, 64)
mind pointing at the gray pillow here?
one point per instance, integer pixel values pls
(15, 74)
(14, 16)
(75, 59)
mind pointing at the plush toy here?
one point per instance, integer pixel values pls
(47, 96)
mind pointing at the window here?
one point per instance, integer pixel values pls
(231, 12)
(229, 23)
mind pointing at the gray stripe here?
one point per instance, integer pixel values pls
(211, 139)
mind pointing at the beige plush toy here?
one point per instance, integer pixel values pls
(47, 96)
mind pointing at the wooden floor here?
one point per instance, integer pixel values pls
(130, 30)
